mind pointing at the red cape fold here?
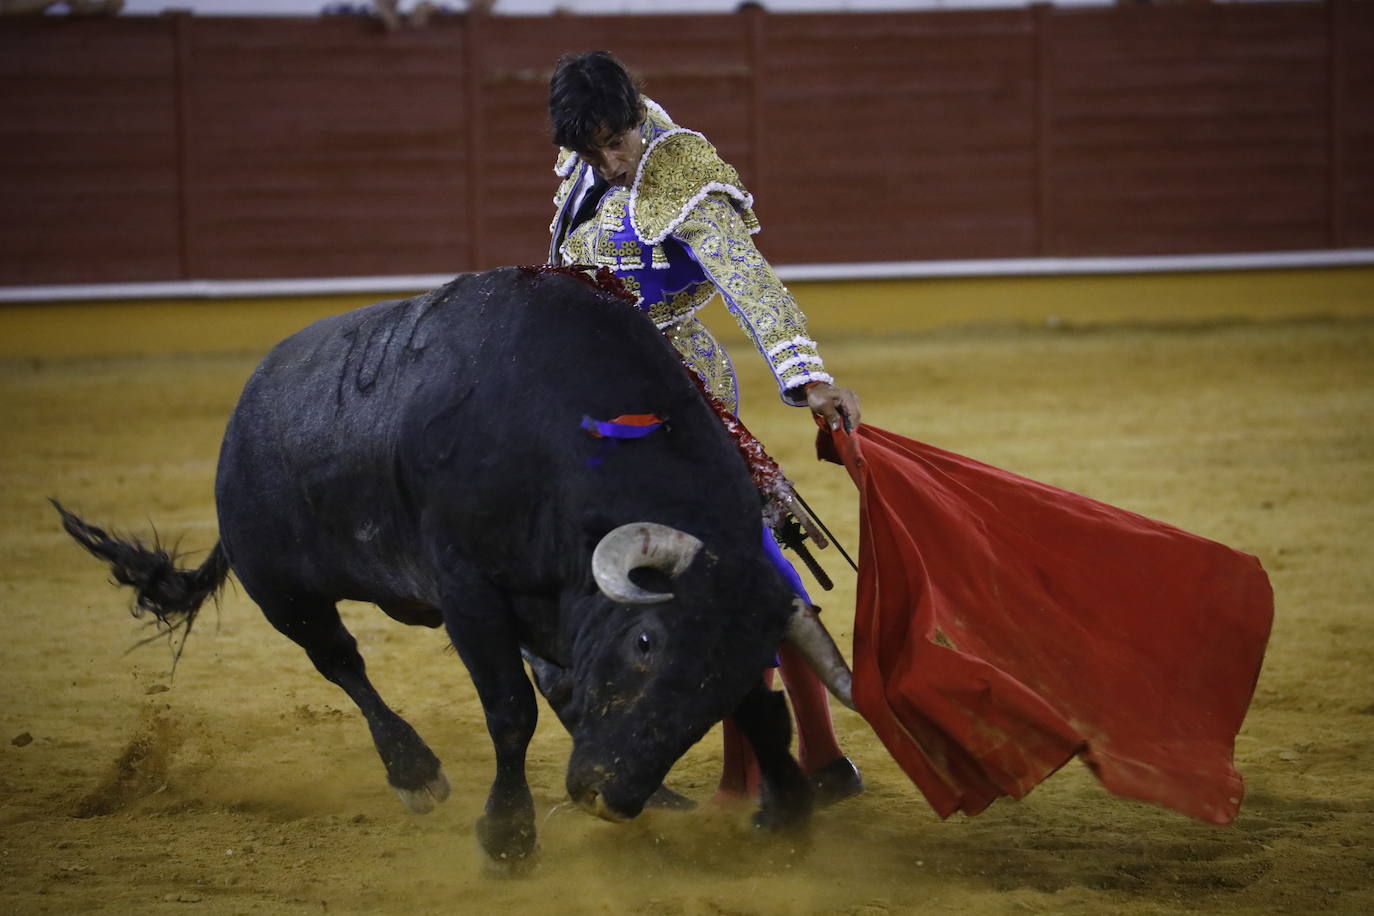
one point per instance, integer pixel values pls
(1003, 626)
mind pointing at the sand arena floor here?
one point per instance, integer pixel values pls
(248, 784)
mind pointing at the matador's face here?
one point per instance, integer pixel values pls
(616, 156)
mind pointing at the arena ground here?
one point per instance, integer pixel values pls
(248, 784)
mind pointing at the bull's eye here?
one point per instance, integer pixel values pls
(644, 643)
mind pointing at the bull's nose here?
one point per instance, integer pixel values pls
(594, 802)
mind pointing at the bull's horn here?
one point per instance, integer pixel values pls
(808, 634)
(637, 545)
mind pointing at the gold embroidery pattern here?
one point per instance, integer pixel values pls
(619, 257)
(707, 358)
(675, 306)
(676, 172)
(565, 187)
(561, 163)
(632, 284)
(581, 246)
(718, 237)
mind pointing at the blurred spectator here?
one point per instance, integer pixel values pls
(347, 9)
(394, 17)
(75, 7)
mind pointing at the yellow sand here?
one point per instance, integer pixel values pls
(248, 784)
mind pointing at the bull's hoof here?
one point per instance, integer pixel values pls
(785, 809)
(423, 799)
(837, 780)
(780, 820)
(510, 850)
(510, 869)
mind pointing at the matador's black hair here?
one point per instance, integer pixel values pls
(589, 92)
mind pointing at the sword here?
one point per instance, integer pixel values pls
(802, 522)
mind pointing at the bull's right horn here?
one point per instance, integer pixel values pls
(808, 634)
(635, 546)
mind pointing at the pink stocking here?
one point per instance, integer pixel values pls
(816, 743)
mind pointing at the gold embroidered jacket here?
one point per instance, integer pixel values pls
(680, 233)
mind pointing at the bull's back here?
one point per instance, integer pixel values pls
(306, 487)
(466, 396)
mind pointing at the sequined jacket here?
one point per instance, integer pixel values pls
(680, 233)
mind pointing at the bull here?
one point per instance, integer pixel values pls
(427, 455)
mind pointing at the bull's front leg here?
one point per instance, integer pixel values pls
(787, 797)
(482, 632)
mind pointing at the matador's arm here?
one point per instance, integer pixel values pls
(717, 239)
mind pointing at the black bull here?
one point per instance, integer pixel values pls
(427, 455)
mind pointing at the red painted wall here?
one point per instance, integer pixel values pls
(186, 148)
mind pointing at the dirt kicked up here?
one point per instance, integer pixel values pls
(248, 784)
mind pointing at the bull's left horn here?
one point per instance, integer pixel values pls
(635, 546)
(808, 634)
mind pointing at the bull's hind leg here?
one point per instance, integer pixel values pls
(314, 624)
(787, 798)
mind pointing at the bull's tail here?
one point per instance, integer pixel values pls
(173, 595)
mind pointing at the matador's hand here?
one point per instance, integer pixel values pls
(834, 405)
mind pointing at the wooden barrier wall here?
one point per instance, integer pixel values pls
(185, 147)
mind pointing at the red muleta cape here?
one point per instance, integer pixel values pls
(1003, 626)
